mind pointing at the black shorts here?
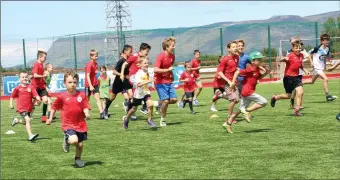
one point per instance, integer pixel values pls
(220, 89)
(82, 136)
(189, 94)
(42, 92)
(118, 86)
(88, 91)
(290, 83)
(24, 114)
(300, 78)
(137, 102)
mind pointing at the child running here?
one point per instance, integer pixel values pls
(251, 76)
(104, 87)
(291, 78)
(320, 54)
(218, 87)
(189, 78)
(226, 71)
(74, 108)
(141, 93)
(25, 93)
(164, 77)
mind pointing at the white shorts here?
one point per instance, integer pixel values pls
(245, 101)
(317, 72)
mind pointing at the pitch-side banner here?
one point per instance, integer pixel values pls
(57, 81)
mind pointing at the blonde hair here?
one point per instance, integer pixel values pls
(166, 42)
(295, 38)
(141, 59)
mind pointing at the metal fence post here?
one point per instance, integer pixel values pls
(221, 41)
(24, 51)
(269, 51)
(75, 53)
(316, 33)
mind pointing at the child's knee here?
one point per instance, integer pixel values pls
(173, 100)
(166, 101)
(73, 139)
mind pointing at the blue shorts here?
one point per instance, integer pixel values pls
(166, 91)
(82, 136)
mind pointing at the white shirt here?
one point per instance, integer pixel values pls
(141, 91)
(319, 57)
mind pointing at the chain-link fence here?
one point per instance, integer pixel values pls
(72, 51)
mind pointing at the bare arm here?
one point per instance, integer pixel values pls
(198, 68)
(49, 120)
(11, 103)
(86, 112)
(35, 75)
(122, 76)
(144, 82)
(115, 72)
(223, 77)
(159, 70)
(264, 74)
(88, 79)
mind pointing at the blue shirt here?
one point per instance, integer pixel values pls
(242, 64)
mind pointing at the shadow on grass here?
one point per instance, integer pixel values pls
(151, 129)
(39, 138)
(174, 123)
(258, 130)
(89, 163)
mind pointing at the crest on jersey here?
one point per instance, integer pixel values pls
(79, 99)
(28, 89)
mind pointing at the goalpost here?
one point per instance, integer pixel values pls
(284, 46)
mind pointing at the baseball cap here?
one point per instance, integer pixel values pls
(256, 55)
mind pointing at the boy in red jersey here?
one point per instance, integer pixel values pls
(189, 78)
(38, 80)
(133, 67)
(195, 67)
(164, 76)
(91, 82)
(25, 93)
(226, 71)
(218, 87)
(74, 108)
(251, 75)
(291, 79)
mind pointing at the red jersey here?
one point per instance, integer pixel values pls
(293, 64)
(38, 83)
(72, 106)
(91, 67)
(195, 63)
(191, 84)
(133, 61)
(164, 61)
(25, 96)
(218, 82)
(228, 66)
(251, 75)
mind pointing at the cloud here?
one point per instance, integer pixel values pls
(12, 51)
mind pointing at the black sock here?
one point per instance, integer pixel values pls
(190, 105)
(144, 106)
(44, 109)
(327, 94)
(107, 105)
(184, 103)
(76, 158)
(292, 101)
(129, 105)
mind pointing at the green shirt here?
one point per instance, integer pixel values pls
(48, 79)
(104, 87)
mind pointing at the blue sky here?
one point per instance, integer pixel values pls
(44, 19)
(33, 19)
